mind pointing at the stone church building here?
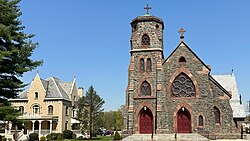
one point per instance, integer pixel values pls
(176, 94)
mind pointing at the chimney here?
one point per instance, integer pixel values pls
(80, 91)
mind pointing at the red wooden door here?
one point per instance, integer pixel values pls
(146, 122)
(183, 123)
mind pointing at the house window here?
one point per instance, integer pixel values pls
(50, 109)
(182, 86)
(66, 125)
(200, 120)
(145, 89)
(216, 115)
(145, 40)
(36, 95)
(67, 111)
(142, 69)
(21, 109)
(149, 65)
(36, 109)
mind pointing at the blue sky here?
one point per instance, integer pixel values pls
(90, 39)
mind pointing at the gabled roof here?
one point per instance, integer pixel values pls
(182, 42)
(228, 81)
(54, 88)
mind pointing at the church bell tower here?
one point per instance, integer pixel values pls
(144, 69)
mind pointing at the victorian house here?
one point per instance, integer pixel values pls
(47, 106)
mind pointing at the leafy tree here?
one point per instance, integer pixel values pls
(90, 107)
(16, 47)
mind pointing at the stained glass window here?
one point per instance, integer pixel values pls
(145, 40)
(182, 86)
(145, 89)
(149, 65)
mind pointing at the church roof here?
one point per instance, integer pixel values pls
(229, 83)
(147, 18)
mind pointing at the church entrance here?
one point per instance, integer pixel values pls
(146, 121)
(183, 121)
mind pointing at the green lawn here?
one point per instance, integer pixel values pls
(99, 138)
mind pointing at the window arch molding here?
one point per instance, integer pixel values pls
(217, 115)
(184, 70)
(199, 125)
(36, 108)
(50, 109)
(140, 86)
(145, 40)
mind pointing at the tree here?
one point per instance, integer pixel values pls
(16, 47)
(90, 107)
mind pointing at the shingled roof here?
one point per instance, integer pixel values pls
(54, 87)
(228, 81)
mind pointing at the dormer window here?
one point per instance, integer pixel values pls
(36, 95)
(145, 40)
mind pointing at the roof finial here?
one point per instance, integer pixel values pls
(36, 71)
(232, 71)
(147, 8)
(182, 31)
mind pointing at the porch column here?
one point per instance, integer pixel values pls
(10, 126)
(40, 128)
(6, 128)
(33, 126)
(50, 127)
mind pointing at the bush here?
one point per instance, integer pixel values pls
(117, 136)
(74, 136)
(33, 137)
(4, 139)
(59, 136)
(52, 136)
(67, 134)
(9, 139)
(42, 138)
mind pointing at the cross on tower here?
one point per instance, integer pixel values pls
(147, 8)
(182, 31)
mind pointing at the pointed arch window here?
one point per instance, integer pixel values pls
(142, 69)
(145, 40)
(145, 89)
(216, 115)
(200, 120)
(149, 65)
(36, 95)
(183, 86)
(50, 109)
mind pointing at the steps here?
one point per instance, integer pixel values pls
(165, 137)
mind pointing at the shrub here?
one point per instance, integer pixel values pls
(4, 139)
(51, 136)
(74, 136)
(42, 138)
(117, 136)
(9, 139)
(59, 136)
(67, 134)
(33, 137)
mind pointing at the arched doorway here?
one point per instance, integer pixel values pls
(146, 121)
(183, 121)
